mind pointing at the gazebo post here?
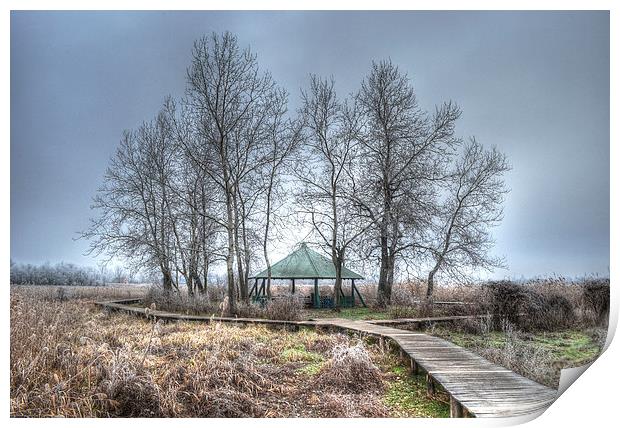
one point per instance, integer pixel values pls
(254, 287)
(317, 301)
(262, 288)
(293, 285)
(352, 293)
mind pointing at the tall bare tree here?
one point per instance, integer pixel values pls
(326, 177)
(404, 151)
(230, 100)
(197, 212)
(134, 219)
(473, 204)
(284, 140)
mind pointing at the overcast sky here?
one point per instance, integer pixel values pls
(535, 84)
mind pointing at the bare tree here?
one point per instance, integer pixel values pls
(404, 151)
(134, 219)
(197, 213)
(326, 177)
(284, 139)
(475, 191)
(229, 98)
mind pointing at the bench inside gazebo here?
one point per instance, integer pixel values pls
(307, 264)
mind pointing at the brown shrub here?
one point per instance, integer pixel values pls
(283, 308)
(596, 299)
(180, 301)
(350, 369)
(552, 312)
(526, 306)
(504, 300)
(331, 405)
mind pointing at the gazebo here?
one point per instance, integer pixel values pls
(306, 264)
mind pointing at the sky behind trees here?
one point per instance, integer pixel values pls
(535, 84)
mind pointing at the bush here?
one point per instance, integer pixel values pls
(350, 369)
(505, 300)
(286, 308)
(526, 307)
(551, 312)
(596, 299)
(177, 301)
(283, 308)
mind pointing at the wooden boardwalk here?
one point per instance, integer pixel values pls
(476, 386)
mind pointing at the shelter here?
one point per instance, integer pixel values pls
(305, 263)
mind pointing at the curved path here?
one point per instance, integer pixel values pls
(476, 386)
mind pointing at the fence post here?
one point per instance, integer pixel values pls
(430, 385)
(456, 410)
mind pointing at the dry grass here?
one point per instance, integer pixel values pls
(69, 358)
(281, 308)
(181, 302)
(86, 292)
(350, 368)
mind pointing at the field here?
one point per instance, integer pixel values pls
(69, 358)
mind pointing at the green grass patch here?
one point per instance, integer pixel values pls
(568, 348)
(358, 313)
(406, 396)
(298, 353)
(311, 369)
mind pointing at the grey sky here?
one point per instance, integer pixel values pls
(536, 84)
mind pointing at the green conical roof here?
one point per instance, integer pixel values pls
(305, 263)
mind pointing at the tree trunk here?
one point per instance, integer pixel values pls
(383, 294)
(189, 281)
(268, 274)
(246, 273)
(205, 280)
(430, 284)
(390, 278)
(197, 281)
(230, 255)
(338, 284)
(243, 289)
(167, 282)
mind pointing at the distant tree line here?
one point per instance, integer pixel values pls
(68, 274)
(221, 173)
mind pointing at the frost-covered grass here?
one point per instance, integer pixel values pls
(69, 358)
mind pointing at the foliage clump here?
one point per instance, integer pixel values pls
(596, 298)
(351, 369)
